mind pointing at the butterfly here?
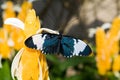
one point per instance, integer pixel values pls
(50, 43)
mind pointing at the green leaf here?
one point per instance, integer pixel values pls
(5, 71)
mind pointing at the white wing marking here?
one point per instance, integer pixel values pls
(38, 40)
(78, 47)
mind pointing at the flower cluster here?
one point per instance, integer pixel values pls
(27, 64)
(107, 48)
(10, 36)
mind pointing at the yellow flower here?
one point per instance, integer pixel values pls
(24, 9)
(115, 28)
(103, 57)
(18, 38)
(5, 41)
(116, 63)
(108, 48)
(30, 64)
(5, 50)
(8, 12)
(113, 37)
(16, 35)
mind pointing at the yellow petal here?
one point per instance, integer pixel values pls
(44, 67)
(18, 38)
(116, 63)
(24, 9)
(5, 50)
(15, 70)
(31, 23)
(26, 5)
(30, 67)
(16, 33)
(9, 12)
(3, 34)
(100, 41)
(9, 4)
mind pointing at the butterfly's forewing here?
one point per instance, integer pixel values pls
(48, 43)
(74, 47)
(51, 44)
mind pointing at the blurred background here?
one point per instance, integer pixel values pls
(80, 19)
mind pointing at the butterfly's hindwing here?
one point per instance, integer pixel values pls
(74, 47)
(87, 51)
(81, 48)
(67, 48)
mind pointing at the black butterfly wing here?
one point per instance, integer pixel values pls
(53, 43)
(74, 47)
(47, 43)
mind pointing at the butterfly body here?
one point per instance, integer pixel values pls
(56, 43)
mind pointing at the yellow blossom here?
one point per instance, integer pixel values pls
(18, 38)
(8, 12)
(4, 48)
(16, 34)
(31, 63)
(100, 41)
(103, 57)
(108, 48)
(115, 28)
(116, 63)
(113, 37)
(24, 9)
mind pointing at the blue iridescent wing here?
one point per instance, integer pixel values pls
(74, 47)
(47, 43)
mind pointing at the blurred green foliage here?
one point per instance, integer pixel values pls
(85, 68)
(58, 70)
(5, 70)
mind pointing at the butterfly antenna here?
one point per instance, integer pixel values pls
(47, 30)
